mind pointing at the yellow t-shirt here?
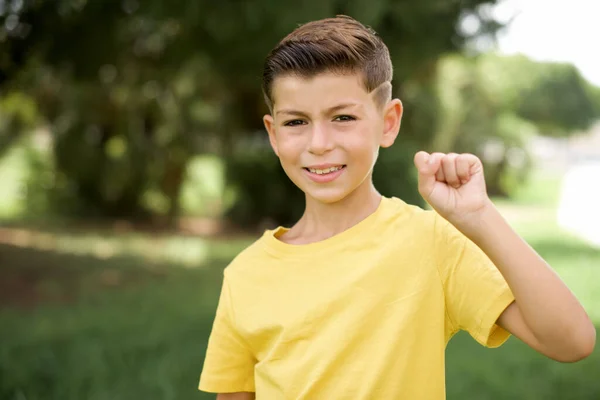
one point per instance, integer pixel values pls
(365, 314)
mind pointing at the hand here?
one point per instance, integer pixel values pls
(453, 184)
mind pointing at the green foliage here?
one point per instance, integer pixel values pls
(204, 192)
(558, 101)
(467, 115)
(18, 114)
(264, 193)
(492, 105)
(42, 192)
(395, 174)
(553, 96)
(594, 94)
(13, 174)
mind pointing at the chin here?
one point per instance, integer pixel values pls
(328, 195)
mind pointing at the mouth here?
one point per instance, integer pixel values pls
(325, 171)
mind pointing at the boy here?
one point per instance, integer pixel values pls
(360, 297)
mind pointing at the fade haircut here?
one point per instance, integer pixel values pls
(340, 45)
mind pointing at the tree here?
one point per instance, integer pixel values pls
(502, 101)
(554, 96)
(132, 90)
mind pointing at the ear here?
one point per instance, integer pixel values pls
(392, 117)
(270, 127)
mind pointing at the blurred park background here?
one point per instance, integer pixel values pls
(134, 166)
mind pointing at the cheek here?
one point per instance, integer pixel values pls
(289, 148)
(363, 145)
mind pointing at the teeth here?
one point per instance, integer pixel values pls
(324, 171)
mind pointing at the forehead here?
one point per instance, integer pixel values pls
(318, 92)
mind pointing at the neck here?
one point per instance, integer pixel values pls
(324, 220)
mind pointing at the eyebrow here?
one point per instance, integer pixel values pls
(328, 111)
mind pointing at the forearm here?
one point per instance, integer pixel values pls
(550, 310)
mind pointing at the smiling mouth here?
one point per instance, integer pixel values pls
(325, 171)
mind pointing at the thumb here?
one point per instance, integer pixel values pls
(427, 166)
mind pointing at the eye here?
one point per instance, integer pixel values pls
(294, 122)
(344, 118)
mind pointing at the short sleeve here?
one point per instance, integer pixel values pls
(229, 362)
(476, 293)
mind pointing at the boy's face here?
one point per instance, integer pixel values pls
(327, 130)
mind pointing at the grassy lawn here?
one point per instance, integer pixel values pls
(127, 316)
(109, 329)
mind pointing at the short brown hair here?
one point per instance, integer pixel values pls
(340, 45)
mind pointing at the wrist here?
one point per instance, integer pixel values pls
(475, 225)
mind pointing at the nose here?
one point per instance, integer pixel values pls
(321, 140)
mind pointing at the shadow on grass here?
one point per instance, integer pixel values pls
(32, 277)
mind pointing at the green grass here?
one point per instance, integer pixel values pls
(131, 320)
(119, 328)
(542, 189)
(139, 335)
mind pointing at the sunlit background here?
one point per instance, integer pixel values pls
(134, 167)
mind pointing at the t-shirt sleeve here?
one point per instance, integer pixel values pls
(229, 363)
(476, 292)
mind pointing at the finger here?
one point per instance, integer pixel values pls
(426, 172)
(439, 176)
(449, 167)
(436, 159)
(421, 162)
(463, 166)
(475, 164)
(427, 166)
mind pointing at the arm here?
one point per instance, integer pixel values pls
(229, 363)
(545, 314)
(236, 396)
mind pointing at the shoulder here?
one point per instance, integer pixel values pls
(249, 258)
(408, 215)
(419, 223)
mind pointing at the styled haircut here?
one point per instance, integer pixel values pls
(339, 45)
